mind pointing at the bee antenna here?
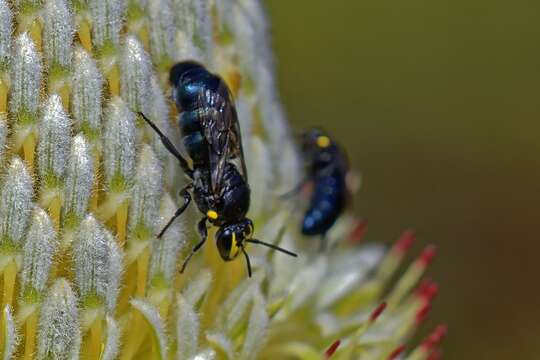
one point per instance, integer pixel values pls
(275, 247)
(247, 262)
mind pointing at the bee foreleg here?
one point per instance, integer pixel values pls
(248, 263)
(187, 199)
(203, 232)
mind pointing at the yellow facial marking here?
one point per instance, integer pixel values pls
(211, 214)
(234, 247)
(323, 141)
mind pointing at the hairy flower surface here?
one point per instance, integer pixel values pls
(86, 185)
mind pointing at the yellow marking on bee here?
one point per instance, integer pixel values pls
(211, 214)
(323, 141)
(234, 247)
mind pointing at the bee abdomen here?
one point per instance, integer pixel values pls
(193, 138)
(196, 147)
(189, 122)
(327, 203)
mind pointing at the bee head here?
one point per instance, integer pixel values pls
(231, 238)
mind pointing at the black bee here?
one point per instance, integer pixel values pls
(327, 168)
(219, 182)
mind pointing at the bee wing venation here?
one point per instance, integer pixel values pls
(222, 133)
(240, 148)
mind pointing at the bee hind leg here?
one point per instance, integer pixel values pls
(203, 232)
(169, 146)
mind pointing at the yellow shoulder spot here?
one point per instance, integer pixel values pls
(323, 141)
(211, 214)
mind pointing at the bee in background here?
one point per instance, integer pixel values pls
(218, 176)
(327, 169)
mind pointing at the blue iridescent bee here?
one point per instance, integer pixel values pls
(327, 168)
(218, 176)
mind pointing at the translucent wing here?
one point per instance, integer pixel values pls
(222, 133)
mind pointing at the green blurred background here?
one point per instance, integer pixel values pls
(438, 105)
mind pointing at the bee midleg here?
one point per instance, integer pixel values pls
(187, 199)
(203, 232)
(169, 146)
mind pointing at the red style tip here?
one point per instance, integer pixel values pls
(405, 242)
(397, 351)
(431, 291)
(422, 314)
(427, 290)
(377, 312)
(427, 255)
(434, 355)
(359, 230)
(332, 349)
(421, 288)
(435, 338)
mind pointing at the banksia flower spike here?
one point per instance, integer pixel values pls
(85, 186)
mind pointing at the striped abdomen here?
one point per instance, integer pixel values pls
(199, 96)
(327, 203)
(193, 137)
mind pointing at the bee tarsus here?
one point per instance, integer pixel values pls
(203, 233)
(187, 200)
